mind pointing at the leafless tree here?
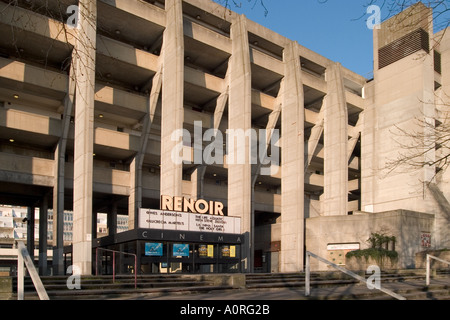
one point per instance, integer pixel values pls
(230, 4)
(427, 146)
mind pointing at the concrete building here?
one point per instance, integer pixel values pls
(14, 227)
(90, 101)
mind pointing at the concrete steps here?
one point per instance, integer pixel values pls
(332, 286)
(100, 287)
(324, 286)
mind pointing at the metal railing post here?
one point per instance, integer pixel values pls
(429, 257)
(114, 267)
(20, 277)
(23, 257)
(307, 276)
(114, 264)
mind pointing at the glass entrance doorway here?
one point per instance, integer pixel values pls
(169, 257)
(160, 257)
(166, 252)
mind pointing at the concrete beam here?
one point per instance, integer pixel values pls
(207, 36)
(336, 144)
(26, 170)
(293, 163)
(126, 53)
(204, 80)
(84, 137)
(30, 122)
(27, 20)
(172, 97)
(240, 118)
(316, 133)
(59, 184)
(265, 61)
(140, 9)
(20, 72)
(135, 199)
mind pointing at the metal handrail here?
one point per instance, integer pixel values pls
(429, 257)
(347, 272)
(114, 263)
(23, 257)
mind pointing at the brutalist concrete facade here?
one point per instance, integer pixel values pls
(90, 99)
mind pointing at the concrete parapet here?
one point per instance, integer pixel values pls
(6, 288)
(362, 264)
(407, 226)
(421, 259)
(236, 281)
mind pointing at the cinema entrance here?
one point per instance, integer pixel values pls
(163, 252)
(184, 236)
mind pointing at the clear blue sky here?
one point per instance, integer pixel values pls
(335, 29)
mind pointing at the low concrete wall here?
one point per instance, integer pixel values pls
(6, 288)
(235, 280)
(421, 259)
(361, 264)
(406, 226)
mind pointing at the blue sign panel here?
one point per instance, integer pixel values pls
(181, 250)
(154, 249)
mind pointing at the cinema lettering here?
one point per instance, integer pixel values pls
(182, 204)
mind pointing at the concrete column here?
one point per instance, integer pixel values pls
(112, 219)
(335, 144)
(135, 198)
(58, 212)
(314, 138)
(239, 118)
(30, 231)
(59, 185)
(172, 98)
(43, 226)
(94, 224)
(197, 178)
(84, 136)
(292, 163)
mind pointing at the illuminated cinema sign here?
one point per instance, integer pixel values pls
(182, 204)
(175, 215)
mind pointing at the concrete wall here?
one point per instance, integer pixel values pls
(388, 115)
(406, 226)
(421, 259)
(6, 288)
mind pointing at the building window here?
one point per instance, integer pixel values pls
(437, 62)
